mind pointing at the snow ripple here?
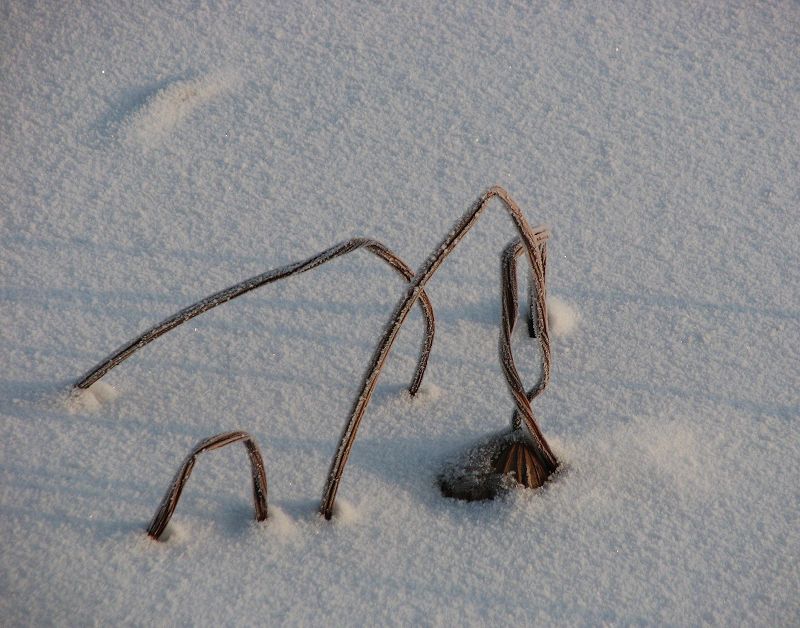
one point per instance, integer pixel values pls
(159, 115)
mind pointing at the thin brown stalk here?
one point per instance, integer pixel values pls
(529, 240)
(170, 501)
(228, 294)
(493, 465)
(538, 296)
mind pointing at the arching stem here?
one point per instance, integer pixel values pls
(228, 294)
(173, 494)
(529, 241)
(538, 300)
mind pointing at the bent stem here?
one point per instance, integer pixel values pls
(529, 240)
(228, 294)
(170, 500)
(509, 299)
(491, 466)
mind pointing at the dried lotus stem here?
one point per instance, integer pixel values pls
(530, 242)
(228, 294)
(532, 296)
(170, 501)
(509, 302)
(508, 283)
(520, 457)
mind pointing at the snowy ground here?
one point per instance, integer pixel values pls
(152, 154)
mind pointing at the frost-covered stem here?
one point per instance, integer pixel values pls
(508, 282)
(538, 304)
(398, 318)
(170, 501)
(223, 296)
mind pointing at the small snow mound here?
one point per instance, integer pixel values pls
(165, 110)
(90, 399)
(344, 512)
(562, 318)
(280, 524)
(428, 392)
(174, 533)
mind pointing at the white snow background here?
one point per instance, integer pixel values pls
(152, 153)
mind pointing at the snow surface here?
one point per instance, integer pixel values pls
(153, 153)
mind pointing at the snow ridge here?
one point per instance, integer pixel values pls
(161, 114)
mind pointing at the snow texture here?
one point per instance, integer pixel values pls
(154, 153)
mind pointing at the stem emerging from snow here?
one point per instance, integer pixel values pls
(529, 239)
(170, 501)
